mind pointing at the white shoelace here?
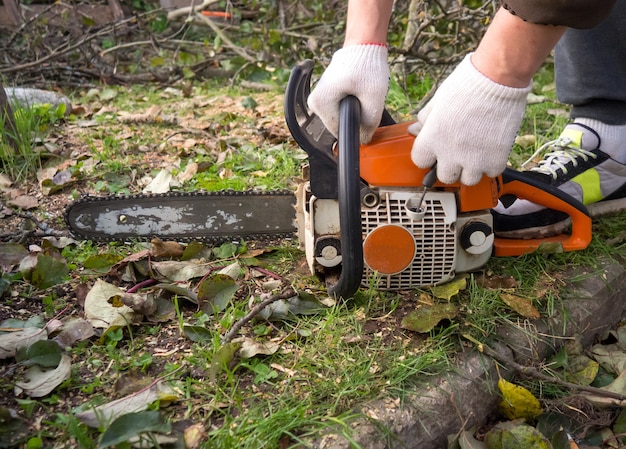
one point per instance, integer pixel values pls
(562, 152)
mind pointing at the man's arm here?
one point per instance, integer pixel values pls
(367, 21)
(512, 50)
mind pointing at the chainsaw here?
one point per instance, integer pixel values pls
(364, 216)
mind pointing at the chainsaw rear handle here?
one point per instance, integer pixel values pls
(349, 193)
(526, 187)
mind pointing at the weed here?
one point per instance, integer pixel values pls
(20, 151)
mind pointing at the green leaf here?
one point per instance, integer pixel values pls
(12, 429)
(215, 292)
(560, 440)
(36, 321)
(224, 355)
(101, 262)
(46, 353)
(228, 250)
(4, 285)
(249, 103)
(87, 21)
(196, 250)
(197, 333)
(131, 425)
(426, 318)
(619, 425)
(450, 289)
(48, 272)
(515, 435)
(581, 369)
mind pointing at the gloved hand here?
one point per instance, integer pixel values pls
(468, 127)
(361, 70)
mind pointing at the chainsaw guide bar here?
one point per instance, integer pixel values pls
(185, 216)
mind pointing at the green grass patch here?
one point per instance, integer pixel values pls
(21, 143)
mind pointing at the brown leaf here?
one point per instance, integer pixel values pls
(135, 257)
(190, 171)
(139, 302)
(492, 282)
(24, 202)
(166, 250)
(194, 435)
(520, 305)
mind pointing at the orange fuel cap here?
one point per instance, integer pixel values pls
(389, 249)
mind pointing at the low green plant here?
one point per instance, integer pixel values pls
(20, 151)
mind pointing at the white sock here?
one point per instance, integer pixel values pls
(612, 137)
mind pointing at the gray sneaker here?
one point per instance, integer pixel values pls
(575, 164)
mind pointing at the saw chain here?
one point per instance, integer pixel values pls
(212, 217)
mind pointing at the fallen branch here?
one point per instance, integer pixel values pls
(534, 373)
(41, 229)
(67, 49)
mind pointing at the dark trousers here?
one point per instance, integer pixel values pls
(590, 69)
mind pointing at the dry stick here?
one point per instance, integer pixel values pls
(188, 10)
(289, 293)
(42, 230)
(531, 371)
(227, 42)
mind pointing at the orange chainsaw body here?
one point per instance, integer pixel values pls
(386, 160)
(365, 216)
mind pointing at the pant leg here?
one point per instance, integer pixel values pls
(590, 69)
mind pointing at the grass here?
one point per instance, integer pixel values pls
(21, 150)
(330, 363)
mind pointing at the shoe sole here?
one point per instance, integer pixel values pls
(598, 209)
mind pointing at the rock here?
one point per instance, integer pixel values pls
(25, 97)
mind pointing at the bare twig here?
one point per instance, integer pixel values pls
(227, 42)
(188, 10)
(534, 373)
(42, 229)
(286, 294)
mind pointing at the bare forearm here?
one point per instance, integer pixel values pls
(367, 21)
(512, 50)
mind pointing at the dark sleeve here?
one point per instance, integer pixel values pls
(571, 13)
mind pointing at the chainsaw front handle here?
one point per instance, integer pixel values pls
(528, 188)
(349, 196)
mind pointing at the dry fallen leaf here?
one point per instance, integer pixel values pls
(105, 414)
(41, 382)
(10, 342)
(520, 305)
(104, 309)
(160, 184)
(24, 202)
(194, 435)
(168, 250)
(190, 171)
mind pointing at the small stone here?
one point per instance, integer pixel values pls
(27, 97)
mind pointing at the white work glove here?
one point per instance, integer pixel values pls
(361, 70)
(468, 127)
